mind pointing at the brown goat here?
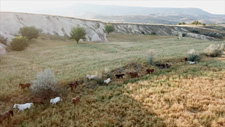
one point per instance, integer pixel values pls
(6, 115)
(119, 75)
(133, 74)
(38, 100)
(72, 85)
(23, 86)
(75, 100)
(150, 71)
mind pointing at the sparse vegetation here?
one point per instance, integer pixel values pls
(19, 43)
(196, 23)
(77, 33)
(184, 95)
(30, 32)
(193, 55)
(213, 50)
(45, 84)
(182, 23)
(109, 28)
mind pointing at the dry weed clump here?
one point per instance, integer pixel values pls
(213, 50)
(45, 84)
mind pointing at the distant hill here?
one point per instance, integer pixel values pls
(114, 13)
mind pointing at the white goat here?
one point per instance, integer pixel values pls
(22, 107)
(192, 62)
(55, 100)
(107, 81)
(91, 76)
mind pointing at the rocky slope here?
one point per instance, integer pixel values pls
(11, 22)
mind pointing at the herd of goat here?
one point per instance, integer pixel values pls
(73, 85)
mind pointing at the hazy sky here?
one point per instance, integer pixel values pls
(211, 6)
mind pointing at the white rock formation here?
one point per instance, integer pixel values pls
(10, 23)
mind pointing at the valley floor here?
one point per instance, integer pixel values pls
(184, 95)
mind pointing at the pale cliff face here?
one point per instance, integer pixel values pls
(10, 23)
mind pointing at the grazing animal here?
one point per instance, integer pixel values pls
(72, 85)
(167, 65)
(107, 81)
(150, 71)
(133, 74)
(185, 59)
(119, 75)
(90, 77)
(38, 100)
(22, 107)
(6, 115)
(23, 86)
(75, 100)
(55, 100)
(192, 62)
(163, 65)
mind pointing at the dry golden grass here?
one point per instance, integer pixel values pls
(185, 95)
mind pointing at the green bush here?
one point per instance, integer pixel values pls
(181, 23)
(109, 28)
(19, 43)
(196, 23)
(29, 32)
(193, 55)
(77, 33)
(153, 33)
(213, 50)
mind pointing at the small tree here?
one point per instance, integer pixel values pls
(196, 23)
(19, 43)
(109, 28)
(77, 33)
(29, 32)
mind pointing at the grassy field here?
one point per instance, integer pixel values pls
(185, 95)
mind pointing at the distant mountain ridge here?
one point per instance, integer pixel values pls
(112, 13)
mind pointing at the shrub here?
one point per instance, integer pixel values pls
(100, 81)
(3, 40)
(151, 56)
(153, 33)
(19, 43)
(109, 28)
(181, 23)
(77, 33)
(29, 31)
(222, 47)
(195, 31)
(45, 84)
(193, 55)
(213, 50)
(196, 23)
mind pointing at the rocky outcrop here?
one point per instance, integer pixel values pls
(55, 25)
(10, 23)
